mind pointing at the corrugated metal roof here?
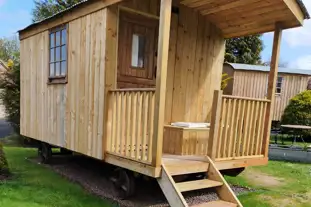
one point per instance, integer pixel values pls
(55, 15)
(300, 3)
(238, 66)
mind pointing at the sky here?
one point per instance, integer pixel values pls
(295, 48)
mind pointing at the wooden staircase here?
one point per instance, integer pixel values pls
(185, 166)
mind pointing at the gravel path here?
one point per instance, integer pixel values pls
(94, 176)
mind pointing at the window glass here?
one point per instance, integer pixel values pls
(138, 50)
(64, 53)
(278, 88)
(57, 69)
(63, 68)
(58, 54)
(52, 69)
(52, 40)
(58, 38)
(64, 37)
(52, 55)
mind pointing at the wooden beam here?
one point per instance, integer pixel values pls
(67, 16)
(273, 74)
(110, 65)
(133, 165)
(216, 113)
(163, 49)
(295, 9)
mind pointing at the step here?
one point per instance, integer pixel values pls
(197, 185)
(218, 203)
(182, 167)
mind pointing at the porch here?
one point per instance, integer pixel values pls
(138, 131)
(235, 139)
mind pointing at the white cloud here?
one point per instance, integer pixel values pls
(300, 36)
(303, 62)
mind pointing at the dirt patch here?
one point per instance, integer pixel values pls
(278, 202)
(94, 176)
(262, 179)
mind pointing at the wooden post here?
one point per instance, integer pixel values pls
(163, 49)
(271, 87)
(216, 113)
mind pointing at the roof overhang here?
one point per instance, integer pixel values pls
(237, 18)
(234, 18)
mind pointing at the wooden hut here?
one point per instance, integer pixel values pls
(107, 78)
(252, 81)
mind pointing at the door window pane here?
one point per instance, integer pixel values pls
(138, 50)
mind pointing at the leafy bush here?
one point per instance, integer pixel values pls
(4, 168)
(10, 95)
(298, 111)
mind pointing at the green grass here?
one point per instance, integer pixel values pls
(292, 189)
(287, 141)
(33, 185)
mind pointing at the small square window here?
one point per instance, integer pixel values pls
(138, 51)
(58, 55)
(279, 82)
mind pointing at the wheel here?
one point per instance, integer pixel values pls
(124, 183)
(45, 153)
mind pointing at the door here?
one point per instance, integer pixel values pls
(137, 51)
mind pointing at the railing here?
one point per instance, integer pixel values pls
(130, 123)
(240, 128)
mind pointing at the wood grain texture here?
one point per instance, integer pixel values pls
(70, 115)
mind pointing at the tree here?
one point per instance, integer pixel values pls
(9, 47)
(244, 50)
(46, 8)
(298, 111)
(10, 81)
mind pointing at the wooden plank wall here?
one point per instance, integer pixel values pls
(70, 115)
(195, 66)
(254, 84)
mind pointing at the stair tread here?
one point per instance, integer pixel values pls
(198, 184)
(182, 167)
(218, 203)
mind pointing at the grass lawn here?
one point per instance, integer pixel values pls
(281, 184)
(36, 186)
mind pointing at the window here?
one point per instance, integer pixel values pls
(278, 88)
(58, 55)
(138, 51)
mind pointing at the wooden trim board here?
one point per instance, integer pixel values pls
(133, 165)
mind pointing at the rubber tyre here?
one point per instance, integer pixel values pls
(45, 153)
(124, 183)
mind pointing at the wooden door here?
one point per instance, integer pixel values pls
(137, 51)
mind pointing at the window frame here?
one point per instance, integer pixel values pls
(61, 79)
(277, 87)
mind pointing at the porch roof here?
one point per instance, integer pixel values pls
(235, 18)
(245, 17)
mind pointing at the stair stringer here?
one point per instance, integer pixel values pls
(172, 194)
(224, 192)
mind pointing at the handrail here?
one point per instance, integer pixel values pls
(246, 98)
(133, 90)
